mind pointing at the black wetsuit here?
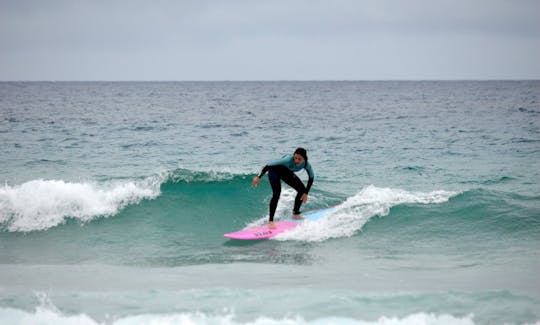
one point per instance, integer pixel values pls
(283, 170)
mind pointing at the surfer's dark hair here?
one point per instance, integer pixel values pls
(302, 152)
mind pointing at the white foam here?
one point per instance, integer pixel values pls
(200, 318)
(44, 315)
(47, 313)
(42, 204)
(353, 214)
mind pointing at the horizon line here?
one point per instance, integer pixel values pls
(276, 80)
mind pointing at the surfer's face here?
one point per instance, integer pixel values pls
(298, 160)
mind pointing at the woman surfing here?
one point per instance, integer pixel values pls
(284, 170)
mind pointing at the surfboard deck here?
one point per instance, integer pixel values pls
(264, 232)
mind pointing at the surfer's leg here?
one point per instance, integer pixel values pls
(275, 183)
(295, 182)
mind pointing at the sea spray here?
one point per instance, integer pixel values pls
(42, 204)
(352, 215)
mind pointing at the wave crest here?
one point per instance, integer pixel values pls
(352, 215)
(42, 204)
(182, 175)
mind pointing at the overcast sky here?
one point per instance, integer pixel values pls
(269, 40)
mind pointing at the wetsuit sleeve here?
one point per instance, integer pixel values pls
(264, 170)
(311, 175)
(309, 183)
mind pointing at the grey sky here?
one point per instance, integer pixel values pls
(269, 40)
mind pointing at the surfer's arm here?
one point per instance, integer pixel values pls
(309, 183)
(263, 171)
(257, 178)
(311, 175)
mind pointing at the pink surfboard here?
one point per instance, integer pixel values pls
(263, 232)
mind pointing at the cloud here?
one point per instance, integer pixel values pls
(241, 39)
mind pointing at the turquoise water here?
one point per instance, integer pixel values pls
(116, 196)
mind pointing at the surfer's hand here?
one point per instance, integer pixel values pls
(304, 198)
(255, 181)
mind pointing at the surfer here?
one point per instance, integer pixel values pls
(283, 170)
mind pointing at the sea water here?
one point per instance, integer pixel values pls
(115, 197)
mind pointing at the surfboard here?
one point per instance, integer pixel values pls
(263, 232)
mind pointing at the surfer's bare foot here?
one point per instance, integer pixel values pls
(297, 216)
(271, 225)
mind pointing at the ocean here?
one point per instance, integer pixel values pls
(115, 197)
